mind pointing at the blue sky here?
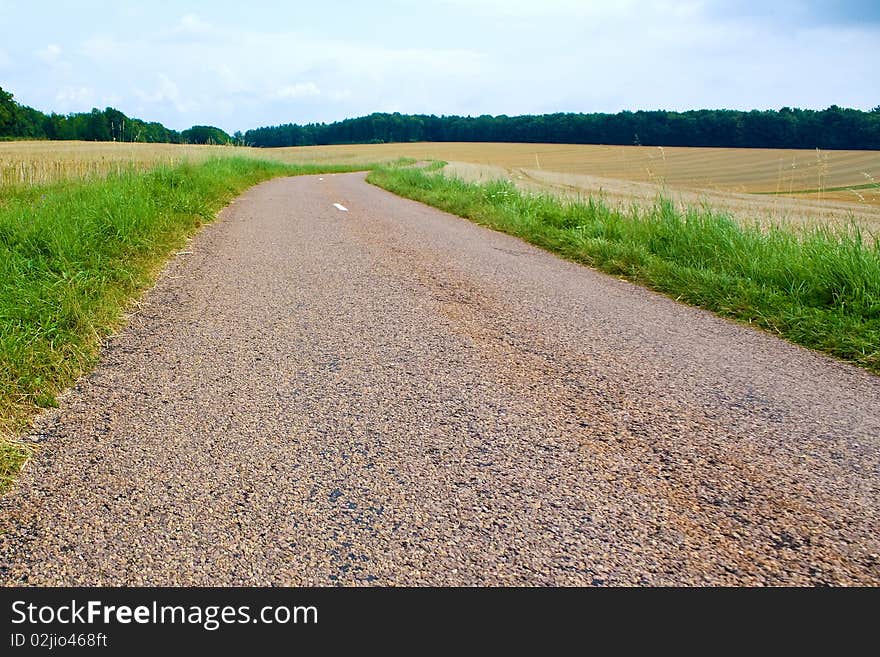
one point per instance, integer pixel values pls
(241, 65)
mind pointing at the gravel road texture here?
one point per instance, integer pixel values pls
(393, 395)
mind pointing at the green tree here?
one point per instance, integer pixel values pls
(97, 127)
(7, 112)
(205, 134)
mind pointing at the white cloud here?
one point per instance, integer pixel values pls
(241, 69)
(73, 99)
(530, 8)
(273, 76)
(193, 24)
(298, 90)
(50, 54)
(192, 29)
(82, 98)
(99, 47)
(627, 10)
(166, 91)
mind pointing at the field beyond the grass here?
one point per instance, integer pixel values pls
(744, 170)
(801, 187)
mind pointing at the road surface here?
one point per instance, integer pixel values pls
(387, 394)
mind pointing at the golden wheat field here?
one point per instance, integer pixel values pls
(808, 187)
(728, 169)
(804, 185)
(40, 162)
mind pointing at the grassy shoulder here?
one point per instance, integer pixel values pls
(74, 255)
(819, 289)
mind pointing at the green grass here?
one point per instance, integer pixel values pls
(818, 288)
(74, 255)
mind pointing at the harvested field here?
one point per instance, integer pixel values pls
(797, 172)
(799, 186)
(747, 170)
(763, 185)
(802, 210)
(803, 187)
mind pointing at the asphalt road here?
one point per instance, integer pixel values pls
(392, 395)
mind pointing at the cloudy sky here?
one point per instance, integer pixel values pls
(241, 65)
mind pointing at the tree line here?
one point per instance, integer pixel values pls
(832, 128)
(21, 122)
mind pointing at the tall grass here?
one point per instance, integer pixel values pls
(819, 288)
(73, 255)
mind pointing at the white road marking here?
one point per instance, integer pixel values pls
(341, 207)
(320, 179)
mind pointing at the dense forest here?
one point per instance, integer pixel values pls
(21, 122)
(832, 128)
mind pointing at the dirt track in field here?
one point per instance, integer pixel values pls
(392, 395)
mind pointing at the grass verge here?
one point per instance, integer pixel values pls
(74, 255)
(817, 288)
